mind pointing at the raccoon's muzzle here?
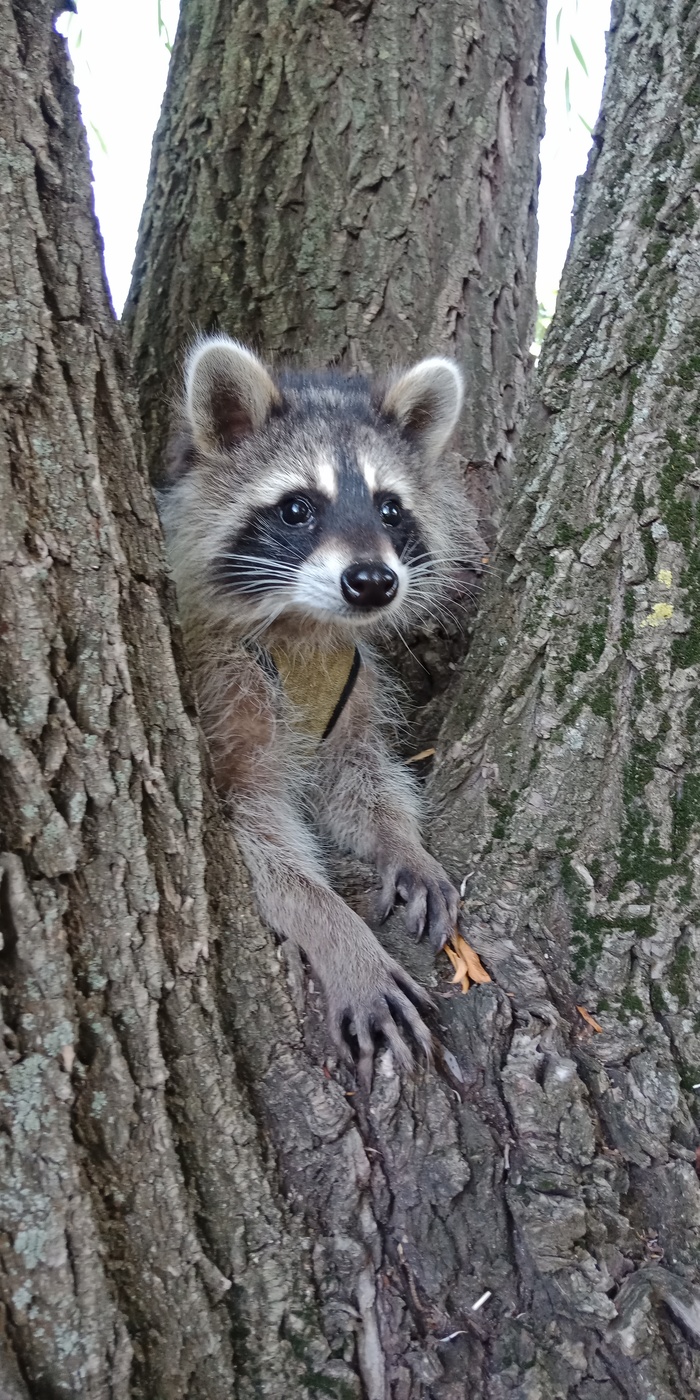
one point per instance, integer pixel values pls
(369, 585)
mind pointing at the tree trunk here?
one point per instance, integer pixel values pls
(145, 1247)
(568, 776)
(353, 183)
(191, 1203)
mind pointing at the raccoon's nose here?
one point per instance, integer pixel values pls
(369, 585)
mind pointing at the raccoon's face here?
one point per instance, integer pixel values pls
(318, 491)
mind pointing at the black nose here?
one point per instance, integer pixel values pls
(369, 585)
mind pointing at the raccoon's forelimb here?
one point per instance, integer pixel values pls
(366, 991)
(255, 764)
(369, 805)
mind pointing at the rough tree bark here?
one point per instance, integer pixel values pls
(189, 1206)
(569, 768)
(352, 183)
(145, 1247)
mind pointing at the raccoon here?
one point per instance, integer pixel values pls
(306, 514)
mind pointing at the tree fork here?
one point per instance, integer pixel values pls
(167, 1127)
(353, 185)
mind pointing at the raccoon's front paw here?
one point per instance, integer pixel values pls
(431, 900)
(374, 999)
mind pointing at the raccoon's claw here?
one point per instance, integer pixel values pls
(382, 1013)
(432, 903)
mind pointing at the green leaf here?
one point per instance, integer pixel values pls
(99, 137)
(589, 129)
(578, 53)
(557, 24)
(163, 29)
(567, 91)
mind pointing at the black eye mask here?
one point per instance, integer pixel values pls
(278, 539)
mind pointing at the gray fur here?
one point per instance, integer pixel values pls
(354, 453)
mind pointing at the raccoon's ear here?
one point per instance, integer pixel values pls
(426, 401)
(228, 393)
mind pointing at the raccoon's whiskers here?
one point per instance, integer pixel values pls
(434, 608)
(251, 590)
(251, 563)
(427, 559)
(252, 574)
(427, 612)
(409, 649)
(268, 621)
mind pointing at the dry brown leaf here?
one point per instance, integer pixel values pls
(460, 967)
(466, 962)
(590, 1020)
(417, 757)
(470, 958)
(461, 976)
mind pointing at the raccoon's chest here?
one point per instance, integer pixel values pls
(316, 685)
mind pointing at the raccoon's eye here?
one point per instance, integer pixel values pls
(391, 512)
(296, 510)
